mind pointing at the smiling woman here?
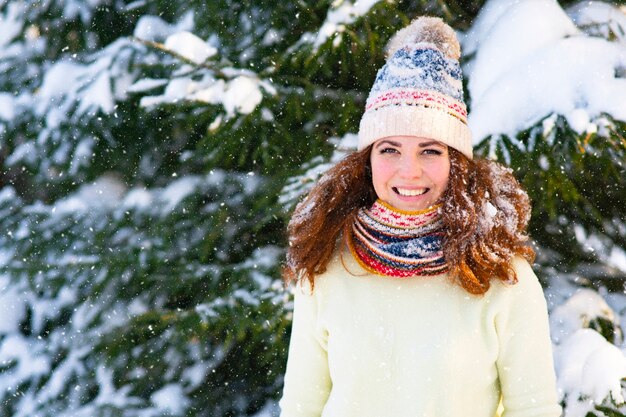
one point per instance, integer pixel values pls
(414, 294)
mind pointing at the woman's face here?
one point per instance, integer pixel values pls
(409, 173)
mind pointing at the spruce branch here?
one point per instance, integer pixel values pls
(162, 48)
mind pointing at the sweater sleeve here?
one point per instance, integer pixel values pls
(307, 379)
(525, 363)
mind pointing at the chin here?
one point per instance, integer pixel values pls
(401, 205)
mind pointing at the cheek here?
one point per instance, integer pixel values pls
(444, 177)
(381, 172)
(440, 175)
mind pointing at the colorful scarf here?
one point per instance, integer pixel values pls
(387, 241)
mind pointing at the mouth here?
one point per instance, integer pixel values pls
(410, 192)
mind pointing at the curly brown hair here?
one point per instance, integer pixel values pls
(485, 214)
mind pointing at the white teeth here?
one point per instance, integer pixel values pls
(405, 192)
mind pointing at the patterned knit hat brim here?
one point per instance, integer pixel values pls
(416, 121)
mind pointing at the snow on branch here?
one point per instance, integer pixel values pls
(342, 14)
(11, 23)
(597, 18)
(70, 89)
(199, 78)
(531, 60)
(589, 368)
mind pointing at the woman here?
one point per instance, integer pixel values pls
(415, 296)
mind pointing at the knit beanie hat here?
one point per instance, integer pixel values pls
(419, 90)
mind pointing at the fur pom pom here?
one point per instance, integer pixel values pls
(426, 29)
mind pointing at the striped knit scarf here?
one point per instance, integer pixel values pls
(387, 241)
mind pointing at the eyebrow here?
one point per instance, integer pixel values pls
(421, 145)
(431, 143)
(392, 143)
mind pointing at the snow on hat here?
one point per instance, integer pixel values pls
(419, 90)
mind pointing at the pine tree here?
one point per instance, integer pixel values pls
(151, 153)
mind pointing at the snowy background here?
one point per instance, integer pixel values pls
(151, 154)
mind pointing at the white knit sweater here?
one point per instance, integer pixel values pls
(372, 346)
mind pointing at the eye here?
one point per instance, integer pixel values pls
(388, 150)
(432, 151)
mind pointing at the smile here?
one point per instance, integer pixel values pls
(410, 193)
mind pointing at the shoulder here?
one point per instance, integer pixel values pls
(523, 303)
(523, 272)
(526, 277)
(521, 308)
(335, 269)
(334, 272)
(527, 288)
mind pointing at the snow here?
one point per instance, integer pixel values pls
(177, 88)
(577, 313)
(337, 19)
(155, 29)
(84, 9)
(83, 316)
(11, 22)
(44, 308)
(272, 36)
(520, 29)
(550, 67)
(108, 394)
(83, 154)
(138, 198)
(617, 258)
(490, 209)
(246, 297)
(106, 191)
(270, 409)
(135, 5)
(598, 18)
(25, 152)
(21, 350)
(497, 208)
(12, 306)
(588, 368)
(97, 96)
(177, 190)
(579, 120)
(63, 372)
(7, 108)
(147, 84)
(170, 399)
(213, 94)
(488, 17)
(242, 95)
(195, 375)
(5, 255)
(189, 46)
(7, 193)
(602, 246)
(548, 124)
(263, 257)
(71, 90)
(56, 82)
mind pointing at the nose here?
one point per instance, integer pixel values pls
(410, 167)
